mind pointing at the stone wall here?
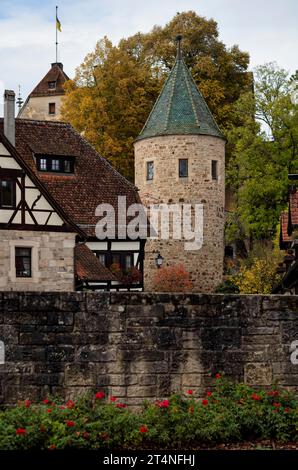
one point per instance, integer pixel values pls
(38, 108)
(138, 346)
(52, 260)
(206, 264)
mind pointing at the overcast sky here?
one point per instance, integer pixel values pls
(267, 29)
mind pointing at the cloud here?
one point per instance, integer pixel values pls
(267, 30)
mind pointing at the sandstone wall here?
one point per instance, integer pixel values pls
(143, 346)
(52, 260)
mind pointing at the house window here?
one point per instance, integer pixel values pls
(52, 85)
(150, 171)
(43, 164)
(52, 108)
(123, 260)
(55, 165)
(183, 168)
(214, 170)
(67, 166)
(23, 262)
(7, 193)
(62, 165)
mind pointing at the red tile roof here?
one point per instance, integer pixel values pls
(294, 207)
(284, 227)
(94, 182)
(88, 267)
(284, 218)
(55, 74)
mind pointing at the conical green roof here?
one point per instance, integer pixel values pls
(180, 108)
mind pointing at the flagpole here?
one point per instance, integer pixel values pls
(56, 34)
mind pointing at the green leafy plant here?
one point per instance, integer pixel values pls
(227, 413)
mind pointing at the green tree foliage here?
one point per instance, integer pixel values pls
(264, 150)
(115, 88)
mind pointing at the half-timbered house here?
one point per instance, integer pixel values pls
(51, 182)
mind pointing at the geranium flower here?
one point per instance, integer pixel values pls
(218, 376)
(70, 424)
(205, 402)
(70, 404)
(46, 401)
(121, 405)
(113, 399)
(20, 431)
(99, 395)
(209, 394)
(256, 397)
(277, 405)
(49, 410)
(189, 392)
(27, 403)
(143, 429)
(163, 404)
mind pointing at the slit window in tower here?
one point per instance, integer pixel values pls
(214, 171)
(150, 171)
(183, 168)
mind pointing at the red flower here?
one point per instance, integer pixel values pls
(209, 394)
(163, 404)
(20, 431)
(46, 401)
(121, 405)
(113, 398)
(70, 404)
(256, 397)
(62, 407)
(273, 393)
(70, 424)
(205, 402)
(49, 410)
(99, 395)
(190, 392)
(86, 435)
(27, 403)
(143, 429)
(277, 405)
(218, 376)
(286, 410)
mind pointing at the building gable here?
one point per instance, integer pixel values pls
(24, 202)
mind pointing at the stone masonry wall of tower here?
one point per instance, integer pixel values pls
(205, 265)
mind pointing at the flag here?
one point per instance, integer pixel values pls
(58, 24)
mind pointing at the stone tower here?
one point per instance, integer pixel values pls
(44, 102)
(180, 159)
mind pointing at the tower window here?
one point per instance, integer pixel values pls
(23, 262)
(52, 85)
(214, 170)
(150, 171)
(183, 168)
(52, 108)
(7, 194)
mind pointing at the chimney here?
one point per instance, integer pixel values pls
(9, 116)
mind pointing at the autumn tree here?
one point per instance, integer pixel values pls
(265, 150)
(115, 88)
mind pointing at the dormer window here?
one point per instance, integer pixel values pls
(55, 164)
(52, 85)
